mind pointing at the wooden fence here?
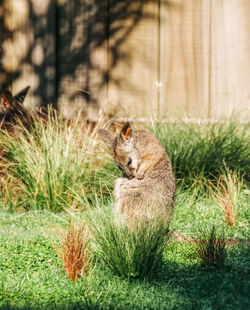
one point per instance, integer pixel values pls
(131, 58)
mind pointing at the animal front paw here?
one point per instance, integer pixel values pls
(140, 176)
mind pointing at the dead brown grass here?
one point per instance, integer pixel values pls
(226, 194)
(75, 252)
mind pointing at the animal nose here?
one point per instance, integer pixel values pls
(129, 173)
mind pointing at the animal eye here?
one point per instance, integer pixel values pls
(129, 161)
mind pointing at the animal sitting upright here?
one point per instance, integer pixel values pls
(146, 191)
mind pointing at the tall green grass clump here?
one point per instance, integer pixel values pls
(48, 165)
(129, 252)
(200, 151)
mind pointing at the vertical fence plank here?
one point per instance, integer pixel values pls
(230, 91)
(184, 57)
(133, 44)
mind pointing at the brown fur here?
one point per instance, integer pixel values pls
(11, 107)
(147, 188)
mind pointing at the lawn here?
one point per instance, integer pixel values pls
(55, 176)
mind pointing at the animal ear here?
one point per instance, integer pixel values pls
(126, 132)
(21, 95)
(107, 137)
(6, 100)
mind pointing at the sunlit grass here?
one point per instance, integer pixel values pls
(53, 166)
(32, 274)
(199, 152)
(46, 165)
(226, 191)
(129, 252)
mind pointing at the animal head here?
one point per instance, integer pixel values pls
(8, 102)
(123, 146)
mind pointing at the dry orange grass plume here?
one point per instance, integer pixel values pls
(226, 194)
(75, 252)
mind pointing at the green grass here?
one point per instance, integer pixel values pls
(50, 166)
(53, 167)
(195, 212)
(132, 252)
(32, 276)
(201, 152)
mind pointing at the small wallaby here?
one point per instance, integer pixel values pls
(12, 106)
(147, 188)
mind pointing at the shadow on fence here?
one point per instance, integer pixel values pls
(65, 44)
